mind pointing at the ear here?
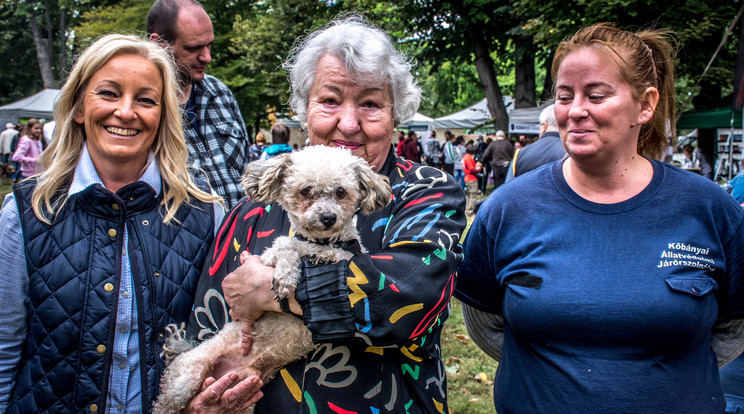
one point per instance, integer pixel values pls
(79, 117)
(156, 38)
(649, 100)
(374, 189)
(264, 180)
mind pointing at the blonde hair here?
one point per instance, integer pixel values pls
(169, 147)
(260, 137)
(645, 59)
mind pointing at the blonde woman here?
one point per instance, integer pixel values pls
(104, 248)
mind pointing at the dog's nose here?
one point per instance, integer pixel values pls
(328, 219)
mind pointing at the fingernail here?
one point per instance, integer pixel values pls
(233, 376)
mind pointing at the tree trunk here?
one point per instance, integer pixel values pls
(524, 74)
(547, 92)
(487, 74)
(62, 45)
(42, 55)
(49, 35)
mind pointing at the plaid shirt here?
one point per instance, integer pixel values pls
(217, 139)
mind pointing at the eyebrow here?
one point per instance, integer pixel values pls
(335, 88)
(587, 86)
(197, 45)
(118, 85)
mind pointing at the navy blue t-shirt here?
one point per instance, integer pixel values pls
(608, 308)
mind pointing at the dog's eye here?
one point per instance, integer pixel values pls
(307, 191)
(340, 192)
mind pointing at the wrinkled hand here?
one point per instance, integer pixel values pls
(248, 293)
(226, 395)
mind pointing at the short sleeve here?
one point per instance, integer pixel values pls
(476, 283)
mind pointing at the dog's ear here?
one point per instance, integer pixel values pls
(263, 180)
(374, 189)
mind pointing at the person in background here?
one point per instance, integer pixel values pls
(48, 129)
(471, 168)
(546, 149)
(458, 151)
(732, 374)
(434, 151)
(449, 153)
(617, 295)
(255, 151)
(279, 141)
(498, 155)
(29, 149)
(410, 150)
(694, 159)
(214, 128)
(378, 317)
(480, 149)
(6, 139)
(103, 249)
(399, 146)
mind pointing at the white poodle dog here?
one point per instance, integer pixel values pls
(321, 189)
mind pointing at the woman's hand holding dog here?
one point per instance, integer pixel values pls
(226, 395)
(248, 293)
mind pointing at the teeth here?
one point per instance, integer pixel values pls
(122, 131)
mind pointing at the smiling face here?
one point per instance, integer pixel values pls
(597, 114)
(342, 113)
(121, 111)
(193, 42)
(36, 131)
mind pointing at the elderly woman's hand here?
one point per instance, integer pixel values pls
(226, 395)
(248, 292)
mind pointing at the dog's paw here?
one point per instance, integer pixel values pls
(282, 289)
(176, 342)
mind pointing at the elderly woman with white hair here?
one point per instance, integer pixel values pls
(376, 318)
(102, 250)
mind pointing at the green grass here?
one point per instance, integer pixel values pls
(5, 188)
(463, 361)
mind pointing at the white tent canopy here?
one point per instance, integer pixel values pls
(526, 120)
(418, 122)
(39, 105)
(471, 117)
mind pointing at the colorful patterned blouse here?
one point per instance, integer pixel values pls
(398, 297)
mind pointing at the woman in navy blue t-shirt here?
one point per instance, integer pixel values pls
(614, 294)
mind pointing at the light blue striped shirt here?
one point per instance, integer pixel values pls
(125, 388)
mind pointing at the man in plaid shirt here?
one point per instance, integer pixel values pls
(214, 129)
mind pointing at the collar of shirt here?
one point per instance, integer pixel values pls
(86, 174)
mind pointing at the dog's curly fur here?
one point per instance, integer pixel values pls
(321, 189)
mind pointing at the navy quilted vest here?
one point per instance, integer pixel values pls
(73, 266)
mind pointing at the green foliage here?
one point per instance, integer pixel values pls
(697, 26)
(447, 88)
(261, 38)
(20, 75)
(125, 17)
(253, 38)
